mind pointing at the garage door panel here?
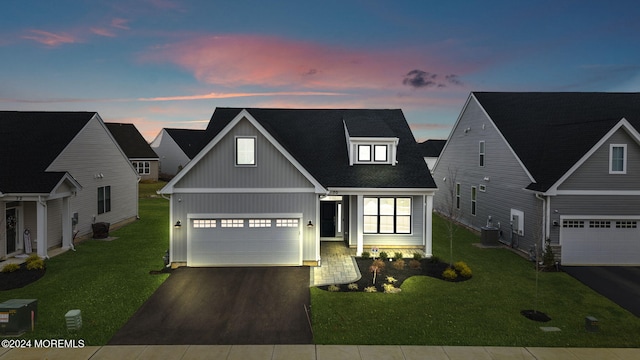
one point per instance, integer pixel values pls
(612, 245)
(244, 246)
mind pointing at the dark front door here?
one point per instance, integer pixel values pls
(327, 219)
(12, 231)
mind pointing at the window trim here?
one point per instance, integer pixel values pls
(474, 200)
(395, 216)
(624, 158)
(360, 147)
(481, 153)
(237, 151)
(104, 205)
(375, 153)
(146, 167)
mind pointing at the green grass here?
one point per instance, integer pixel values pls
(106, 280)
(148, 189)
(482, 311)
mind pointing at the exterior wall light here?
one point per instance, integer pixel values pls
(178, 225)
(310, 224)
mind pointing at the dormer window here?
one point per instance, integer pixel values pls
(373, 153)
(368, 149)
(364, 153)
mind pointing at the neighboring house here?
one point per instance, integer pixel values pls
(61, 172)
(558, 166)
(431, 150)
(142, 157)
(175, 148)
(270, 184)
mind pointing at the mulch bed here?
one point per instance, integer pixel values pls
(427, 268)
(19, 278)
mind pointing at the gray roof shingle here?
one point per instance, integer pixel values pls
(187, 139)
(131, 141)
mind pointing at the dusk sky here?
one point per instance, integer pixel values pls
(166, 63)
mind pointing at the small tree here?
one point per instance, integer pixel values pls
(376, 268)
(451, 208)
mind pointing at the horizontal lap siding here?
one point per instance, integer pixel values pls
(505, 182)
(185, 204)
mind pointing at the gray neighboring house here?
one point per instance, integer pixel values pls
(175, 148)
(431, 150)
(558, 166)
(269, 184)
(142, 157)
(62, 171)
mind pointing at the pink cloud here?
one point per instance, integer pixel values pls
(50, 39)
(103, 32)
(236, 60)
(120, 23)
(238, 95)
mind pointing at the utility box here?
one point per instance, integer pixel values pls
(18, 316)
(591, 324)
(489, 236)
(73, 318)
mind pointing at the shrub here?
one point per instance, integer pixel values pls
(414, 264)
(32, 257)
(463, 269)
(370, 289)
(353, 286)
(397, 256)
(417, 256)
(449, 274)
(399, 264)
(35, 265)
(9, 268)
(366, 255)
(333, 288)
(384, 256)
(434, 259)
(391, 279)
(390, 289)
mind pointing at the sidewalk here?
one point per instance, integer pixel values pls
(319, 352)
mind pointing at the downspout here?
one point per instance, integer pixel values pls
(44, 235)
(544, 220)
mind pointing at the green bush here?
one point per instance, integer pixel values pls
(417, 256)
(462, 268)
(449, 274)
(35, 264)
(414, 264)
(333, 288)
(370, 289)
(353, 286)
(366, 255)
(434, 259)
(390, 289)
(9, 268)
(32, 257)
(384, 256)
(397, 255)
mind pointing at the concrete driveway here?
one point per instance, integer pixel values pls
(211, 306)
(620, 284)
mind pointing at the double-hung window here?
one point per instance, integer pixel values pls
(373, 153)
(104, 199)
(143, 167)
(474, 198)
(383, 215)
(245, 151)
(618, 159)
(481, 153)
(458, 196)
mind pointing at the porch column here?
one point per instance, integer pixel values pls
(360, 225)
(41, 221)
(67, 232)
(428, 218)
(3, 228)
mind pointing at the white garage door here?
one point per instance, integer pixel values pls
(600, 241)
(250, 241)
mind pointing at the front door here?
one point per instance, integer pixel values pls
(331, 219)
(11, 223)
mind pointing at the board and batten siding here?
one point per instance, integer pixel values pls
(91, 153)
(502, 176)
(217, 168)
(415, 238)
(593, 174)
(243, 203)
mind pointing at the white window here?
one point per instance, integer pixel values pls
(474, 198)
(380, 153)
(262, 223)
(234, 223)
(387, 215)
(364, 153)
(246, 151)
(599, 224)
(104, 199)
(482, 188)
(204, 223)
(286, 222)
(617, 158)
(572, 223)
(481, 153)
(143, 167)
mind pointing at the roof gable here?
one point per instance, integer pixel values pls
(187, 139)
(131, 141)
(30, 142)
(316, 140)
(551, 132)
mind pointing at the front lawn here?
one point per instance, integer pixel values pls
(106, 280)
(483, 311)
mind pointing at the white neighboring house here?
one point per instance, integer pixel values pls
(175, 148)
(62, 172)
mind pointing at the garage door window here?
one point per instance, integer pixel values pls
(204, 223)
(286, 222)
(259, 223)
(599, 224)
(573, 223)
(235, 223)
(626, 224)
